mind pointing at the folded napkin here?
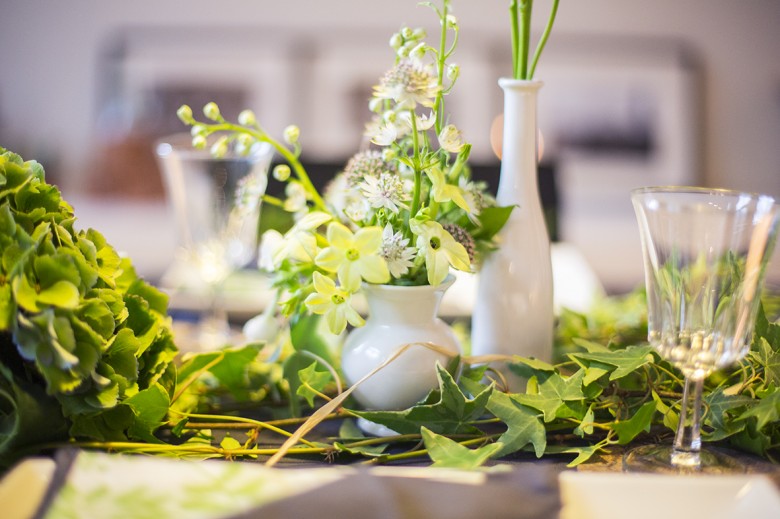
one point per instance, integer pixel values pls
(89, 484)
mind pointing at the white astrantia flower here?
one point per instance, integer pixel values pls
(409, 83)
(380, 132)
(385, 191)
(451, 139)
(422, 122)
(396, 252)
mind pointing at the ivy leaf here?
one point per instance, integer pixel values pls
(625, 361)
(584, 452)
(312, 382)
(586, 424)
(718, 404)
(629, 429)
(552, 392)
(524, 425)
(529, 367)
(769, 360)
(450, 454)
(232, 370)
(450, 415)
(766, 411)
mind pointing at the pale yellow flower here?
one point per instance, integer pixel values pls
(332, 302)
(439, 249)
(444, 192)
(354, 256)
(299, 243)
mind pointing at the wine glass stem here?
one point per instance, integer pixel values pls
(687, 441)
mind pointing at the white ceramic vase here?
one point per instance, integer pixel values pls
(513, 313)
(398, 315)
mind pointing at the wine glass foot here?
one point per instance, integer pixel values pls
(665, 459)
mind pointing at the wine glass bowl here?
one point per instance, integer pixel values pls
(705, 254)
(216, 205)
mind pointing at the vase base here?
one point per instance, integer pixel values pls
(374, 429)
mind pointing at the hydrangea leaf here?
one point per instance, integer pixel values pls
(7, 307)
(98, 316)
(62, 294)
(150, 408)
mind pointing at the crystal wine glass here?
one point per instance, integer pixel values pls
(705, 253)
(216, 204)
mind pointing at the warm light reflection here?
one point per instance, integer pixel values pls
(497, 133)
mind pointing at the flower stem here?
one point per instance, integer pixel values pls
(544, 38)
(525, 36)
(440, 58)
(513, 18)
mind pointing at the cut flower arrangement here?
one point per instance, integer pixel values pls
(87, 357)
(402, 212)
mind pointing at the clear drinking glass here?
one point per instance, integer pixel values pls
(216, 204)
(705, 253)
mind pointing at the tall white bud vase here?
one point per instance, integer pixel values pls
(513, 314)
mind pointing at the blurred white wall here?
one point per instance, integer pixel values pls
(51, 50)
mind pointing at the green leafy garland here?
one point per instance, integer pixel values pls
(85, 345)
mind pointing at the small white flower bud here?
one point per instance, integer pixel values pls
(396, 41)
(375, 104)
(418, 52)
(199, 142)
(198, 129)
(389, 154)
(185, 114)
(282, 172)
(247, 118)
(403, 51)
(407, 33)
(452, 21)
(389, 116)
(211, 110)
(419, 34)
(244, 144)
(291, 134)
(453, 71)
(219, 149)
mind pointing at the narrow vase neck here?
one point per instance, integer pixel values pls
(399, 304)
(519, 144)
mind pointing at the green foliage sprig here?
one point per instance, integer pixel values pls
(85, 346)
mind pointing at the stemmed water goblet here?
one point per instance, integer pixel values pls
(705, 255)
(216, 204)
